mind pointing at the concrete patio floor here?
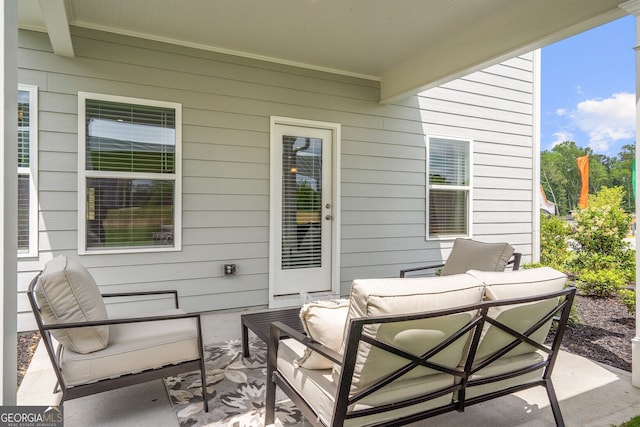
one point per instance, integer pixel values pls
(590, 394)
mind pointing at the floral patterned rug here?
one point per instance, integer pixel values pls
(236, 389)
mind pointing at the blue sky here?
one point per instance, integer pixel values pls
(588, 89)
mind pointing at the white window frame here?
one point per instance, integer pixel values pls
(83, 174)
(468, 188)
(32, 171)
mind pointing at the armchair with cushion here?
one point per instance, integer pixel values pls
(468, 254)
(95, 353)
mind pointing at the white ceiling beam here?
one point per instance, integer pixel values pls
(56, 14)
(458, 58)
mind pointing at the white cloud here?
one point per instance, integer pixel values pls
(606, 120)
(560, 137)
(561, 111)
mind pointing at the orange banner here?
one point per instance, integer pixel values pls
(583, 167)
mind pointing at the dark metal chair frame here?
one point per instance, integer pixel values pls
(514, 263)
(125, 380)
(357, 334)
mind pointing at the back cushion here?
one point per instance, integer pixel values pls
(473, 255)
(379, 297)
(67, 293)
(518, 284)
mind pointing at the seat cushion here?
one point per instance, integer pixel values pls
(134, 347)
(380, 297)
(518, 284)
(67, 293)
(318, 389)
(468, 254)
(324, 321)
(505, 365)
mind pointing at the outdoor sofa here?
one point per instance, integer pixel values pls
(415, 348)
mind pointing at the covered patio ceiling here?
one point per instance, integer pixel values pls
(407, 45)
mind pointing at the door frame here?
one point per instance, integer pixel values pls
(274, 186)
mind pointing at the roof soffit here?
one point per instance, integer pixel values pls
(408, 46)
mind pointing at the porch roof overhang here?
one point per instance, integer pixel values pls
(407, 46)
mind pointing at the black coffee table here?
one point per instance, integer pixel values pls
(260, 322)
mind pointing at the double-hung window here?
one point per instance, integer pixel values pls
(27, 171)
(448, 188)
(130, 168)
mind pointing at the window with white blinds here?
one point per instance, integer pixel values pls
(301, 202)
(130, 183)
(27, 171)
(449, 188)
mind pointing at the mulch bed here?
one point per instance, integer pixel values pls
(604, 334)
(27, 344)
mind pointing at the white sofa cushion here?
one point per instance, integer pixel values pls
(503, 365)
(319, 389)
(324, 321)
(517, 284)
(468, 254)
(520, 283)
(136, 347)
(379, 297)
(67, 293)
(372, 297)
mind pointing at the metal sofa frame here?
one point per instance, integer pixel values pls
(356, 334)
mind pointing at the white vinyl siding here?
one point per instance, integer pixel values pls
(226, 104)
(27, 171)
(129, 180)
(449, 195)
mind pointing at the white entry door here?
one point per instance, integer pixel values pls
(302, 211)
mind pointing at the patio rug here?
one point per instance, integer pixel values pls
(236, 388)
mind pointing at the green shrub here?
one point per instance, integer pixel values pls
(529, 265)
(601, 283)
(628, 297)
(593, 261)
(554, 242)
(633, 422)
(603, 225)
(603, 262)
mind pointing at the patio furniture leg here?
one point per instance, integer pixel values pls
(270, 398)
(553, 400)
(245, 340)
(203, 371)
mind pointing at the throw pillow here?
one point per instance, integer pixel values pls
(324, 322)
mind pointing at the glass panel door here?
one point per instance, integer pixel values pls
(303, 207)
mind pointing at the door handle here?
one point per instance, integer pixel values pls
(328, 217)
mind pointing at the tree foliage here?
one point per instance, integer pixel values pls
(560, 177)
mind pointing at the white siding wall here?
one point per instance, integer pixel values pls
(227, 102)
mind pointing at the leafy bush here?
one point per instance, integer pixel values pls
(603, 225)
(628, 297)
(603, 261)
(601, 283)
(554, 242)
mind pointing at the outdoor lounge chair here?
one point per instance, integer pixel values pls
(416, 348)
(95, 353)
(468, 254)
